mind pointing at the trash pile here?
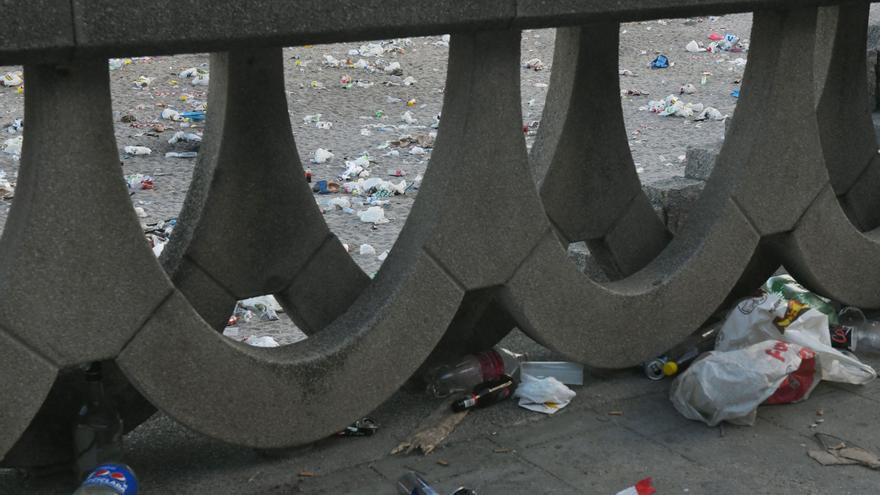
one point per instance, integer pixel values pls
(773, 348)
(372, 50)
(255, 309)
(676, 107)
(262, 308)
(138, 182)
(481, 380)
(158, 234)
(727, 43)
(197, 76)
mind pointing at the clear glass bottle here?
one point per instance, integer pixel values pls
(472, 370)
(97, 434)
(855, 332)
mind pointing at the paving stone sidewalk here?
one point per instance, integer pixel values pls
(507, 450)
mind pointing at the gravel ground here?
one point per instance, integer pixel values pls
(658, 143)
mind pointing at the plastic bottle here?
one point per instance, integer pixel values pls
(486, 394)
(109, 479)
(97, 434)
(855, 332)
(681, 356)
(473, 370)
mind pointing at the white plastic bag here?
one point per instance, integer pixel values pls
(694, 47)
(546, 395)
(729, 386)
(773, 317)
(322, 156)
(374, 215)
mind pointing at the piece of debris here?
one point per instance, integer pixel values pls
(408, 118)
(836, 452)
(393, 69)
(12, 79)
(12, 146)
(710, 113)
(661, 62)
(432, 431)
(643, 487)
(188, 137)
(322, 156)
(694, 47)
(363, 427)
(535, 64)
(137, 150)
(264, 341)
(374, 215)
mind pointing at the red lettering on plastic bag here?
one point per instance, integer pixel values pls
(778, 348)
(797, 384)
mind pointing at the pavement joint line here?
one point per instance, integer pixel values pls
(853, 392)
(546, 471)
(664, 446)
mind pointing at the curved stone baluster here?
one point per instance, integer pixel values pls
(845, 126)
(249, 180)
(836, 246)
(581, 157)
(68, 295)
(746, 199)
(584, 168)
(282, 244)
(300, 393)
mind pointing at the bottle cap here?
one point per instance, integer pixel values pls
(670, 368)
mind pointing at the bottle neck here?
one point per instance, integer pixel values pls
(96, 392)
(95, 381)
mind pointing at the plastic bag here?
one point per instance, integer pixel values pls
(773, 317)
(729, 386)
(661, 62)
(694, 47)
(374, 215)
(322, 156)
(546, 395)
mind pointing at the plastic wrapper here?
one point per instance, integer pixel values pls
(546, 395)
